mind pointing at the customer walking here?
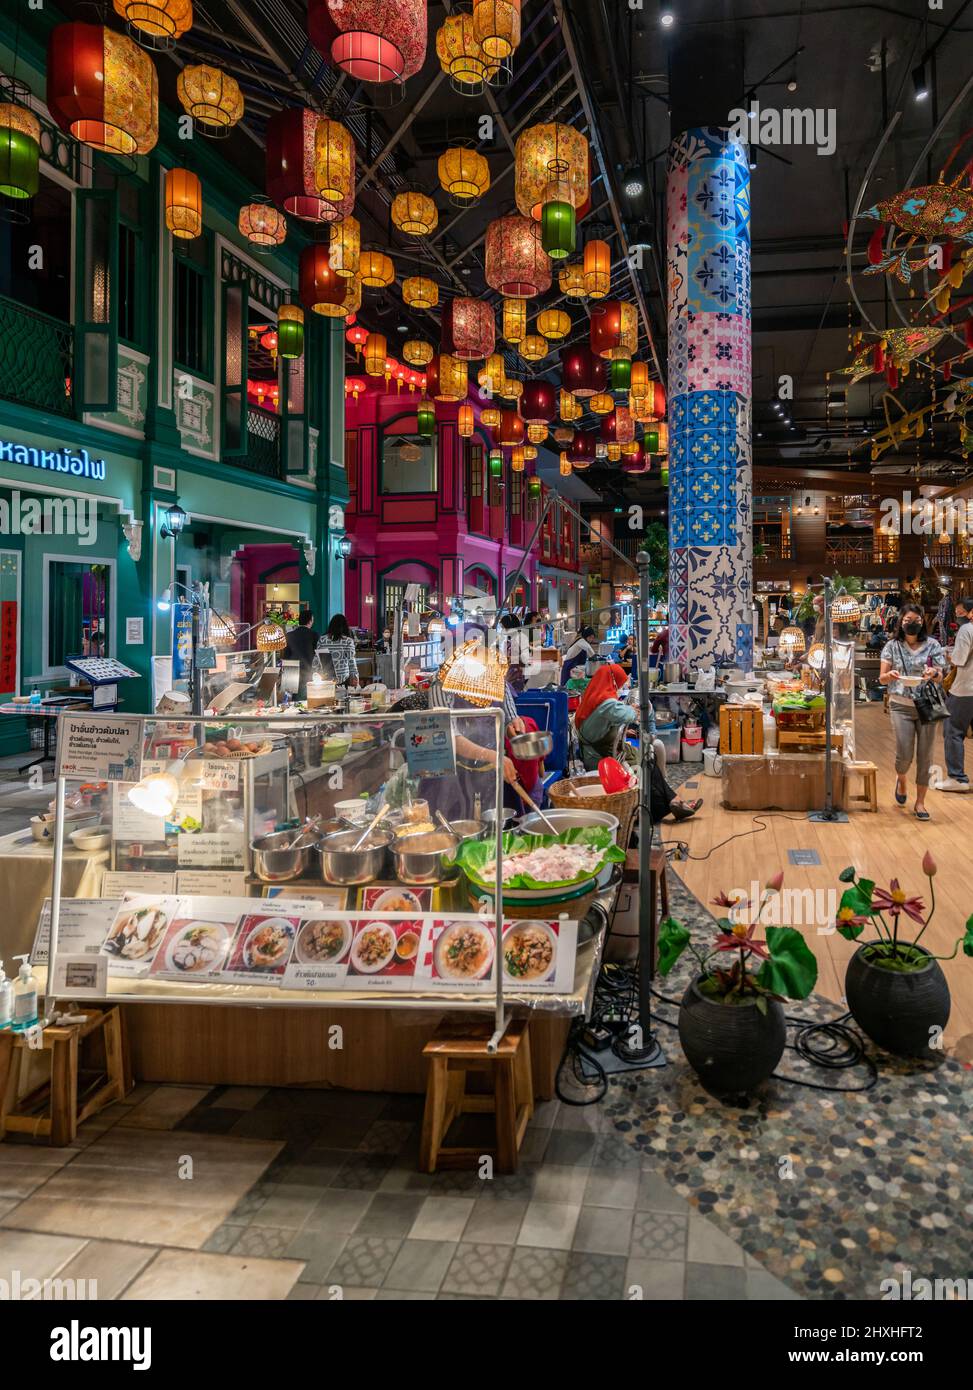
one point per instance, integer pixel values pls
(339, 644)
(960, 698)
(302, 643)
(911, 652)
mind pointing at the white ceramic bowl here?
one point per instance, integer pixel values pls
(354, 809)
(91, 839)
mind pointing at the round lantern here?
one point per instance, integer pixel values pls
(538, 402)
(469, 330)
(20, 135)
(375, 269)
(102, 89)
(530, 452)
(570, 279)
(582, 447)
(515, 261)
(425, 418)
(464, 174)
(518, 458)
(568, 407)
(184, 203)
(345, 246)
(515, 320)
(511, 431)
(446, 378)
(376, 353)
(510, 389)
(537, 434)
(490, 417)
(414, 213)
(356, 335)
(300, 165)
(420, 292)
(417, 352)
(563, 435)
(597, 269)
(371, 40)
(558, 229)
(551, 165)
(156, 23)
(496, 24)
(620, 373)
(465, 421)
(553, 323)
(601, 403)
(212, 97)
(534, 347)
(321, 289)
(582, 372)
(614, 325)
(262, 224)
(461, 55)
(290, 331)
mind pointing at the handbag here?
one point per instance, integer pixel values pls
(930, 703)
(949, 677)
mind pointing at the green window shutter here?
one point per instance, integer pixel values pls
(96, 365)
(235, 353)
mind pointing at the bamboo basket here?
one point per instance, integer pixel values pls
(624, 805)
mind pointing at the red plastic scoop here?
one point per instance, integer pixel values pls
(613, 776)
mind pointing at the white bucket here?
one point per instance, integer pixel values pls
(692, 750)
(712, 763)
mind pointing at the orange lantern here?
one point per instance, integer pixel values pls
(345, 246)
(446, 378)
(376, 352)
(417, 352)
(496, 25)
(601, 403)
(419, 292)
(514, 320)
(414, 213)
(534, 347)
(461, 55)
(157, 23)
(537, 433)
(553, 323)
(568, 407)
(464, 174)
(517, 460)
(597, 269)
(566, 467)
(184, 203)
(570, 279)
(375, 269)
(490, 417)
(465, 421)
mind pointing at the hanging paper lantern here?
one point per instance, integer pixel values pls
(563, 435)
(321, 289)
(20, 135)
(262, 224)
(568, 407)
(446, 378)
(425, 418)
(634, 462)
(356, 335)
(414, 213)
(640, 384)
(351, 302)
(553, 323)
(601, 403)
(490, 417)
(376, 352)
(371, 40)
(290, 331)
(514, 320)
(618, 427)
(614, 452)
(469, 330)
(614, 323)
(530, 451)
(375, 269)
(511, 389)
(102, 89)
(157, 23)
(550, 165)
(496, 24)
(582, 449)
(566, 466)
(582, 372)
(496, 463)
(537, 404)
(534, 347)
(648, 402)
(597, 269)
(184, 203)
(515, 261)
(345, 246)
(268, 340)
(518, 457)
(570, 279)
(334, 166)
(558, 229)
(493, 372)
(212, 97)
(461, 55)
(620, 373)
(534, 487)
(511, 431)
(465, 421)
(420, 292)
(464, 174)
(355, 387)
(418, 352)
(293, 155)
(537, 434)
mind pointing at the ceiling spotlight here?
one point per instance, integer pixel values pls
(666, 17)
(633, 182)
(920, 87)
(792, 85)
(753, 156)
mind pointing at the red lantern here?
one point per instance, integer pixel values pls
(322, 289)
(102, 89)
(618, 427)
(356, 335)
(298, 165)
(371, 40)
(537, 404)
(516, 263)
(469, 329)
(511, 431)
(582, 372)
(636, 463)
(582, 447)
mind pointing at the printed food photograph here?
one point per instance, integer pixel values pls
(463, 951)
(385, 948)
(322, 941)
(263, 944)
(194, 947)
(530, 952)
(136, 931)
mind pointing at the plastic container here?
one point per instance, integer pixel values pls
(770, 732)
(7, 997)
(692, 750)
(670, 738)
(24, 1014)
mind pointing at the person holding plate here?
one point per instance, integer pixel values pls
(911, 656)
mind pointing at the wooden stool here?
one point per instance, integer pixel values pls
(867, 799)
(73, 1094)
(458, 1048)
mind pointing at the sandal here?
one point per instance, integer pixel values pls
(922, 815)
(901, 798)
(683, 810)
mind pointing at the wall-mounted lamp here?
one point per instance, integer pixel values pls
(175, 520)
(344, 547)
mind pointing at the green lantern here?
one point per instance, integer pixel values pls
(290, 331)
(651, 441)
(20, 135)
(620, 374)
(533, 488)
(664, 475)
(425, 418)
(558, 228)
(496, 463)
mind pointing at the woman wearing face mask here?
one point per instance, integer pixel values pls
(911, 652)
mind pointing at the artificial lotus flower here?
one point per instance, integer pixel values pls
(775, 884)
(929, 865)
(895, 901)
(741, 938)
(848, 917)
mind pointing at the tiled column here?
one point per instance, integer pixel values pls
(710, 489)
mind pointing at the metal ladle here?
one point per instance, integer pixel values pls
(382, 813)
(534, 807)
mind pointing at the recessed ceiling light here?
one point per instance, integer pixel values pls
(667, 19)
(920, 87)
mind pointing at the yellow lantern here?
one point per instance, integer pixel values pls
(639, 385)
(262, 224)
(375, 269)
(554, 323)
(417, 352)
(530, 452)
(570, 278)
(157, 23)
(597, 269)
(511, 389)
(514, 320)
(493, 372)
(334, 164)
(569, 407)
(465, 421)
(565, 466)
(496, 25)
(453, 381)
(614, 452)
(534, 347)
(212, 97)
(464, 174)
(376, 354)
(419, 292)
(345, 246)
(461, 55)
(602, 403)
(517, 460)
(551, 164)
(414, 213)
(490, 417)
(184, 203)
(537, 433)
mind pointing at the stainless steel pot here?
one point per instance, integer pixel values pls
(534, 745)
(345, 866)
(566, 819)
(424, 859)
(274, 861)
(469, 829)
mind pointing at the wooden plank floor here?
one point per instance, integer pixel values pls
(889, 844)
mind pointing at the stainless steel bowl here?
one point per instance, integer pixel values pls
(273, 859)
(534, 745)
(345, 866)
(424, 859)
(469, 829)
(565, 819)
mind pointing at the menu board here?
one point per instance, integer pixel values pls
(117, 884)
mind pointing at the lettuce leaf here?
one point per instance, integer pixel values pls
(474, 855)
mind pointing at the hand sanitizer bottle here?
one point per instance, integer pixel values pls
(24, 998)
(6, 1000)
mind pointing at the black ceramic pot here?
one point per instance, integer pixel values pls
(896, 1008)
(731, 1047)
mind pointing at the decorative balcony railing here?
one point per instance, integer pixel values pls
(263, 444)
(766, 552)
(864, 550)
(36, 358)
(957, 555)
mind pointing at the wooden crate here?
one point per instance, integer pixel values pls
(741, 729)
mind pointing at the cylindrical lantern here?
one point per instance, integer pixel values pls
(582, 448)
(334, 166)
(446, 378)
(568, 407)
(496, 463)
(537, 404)
(371, 40)
(184, 203)
(290, 331)
(582, 372)
(518, 458)
(469, 330)
(376, 352)
(558, 230)
(534, 347)
(570, 279)
(375, 269)
(515, 261)
(614, 325)
(157, 23)
(533, 488)
(511, 430)
(618, 427)
(211, 96)
(537, 433)
(640, 383)
(553, 323)
(414, 213)
(262, 224)
(490, 417)
(465, 421)
(300, 164)
(565, 466)
(493, 372)
(514, 320)
(425, 418)
(496, 24)
(419, 292)
(417, 352)
(614, 452)
(550, 166)
(20, 135)
(102, 89)
(597, 269)
(510, 389)
(601, 403)
(345, 246)
(461, 55)
(530, 451)
(464, 174)
(321, 289)
(620, 373)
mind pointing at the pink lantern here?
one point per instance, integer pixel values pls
(469, 329)
(516, 262)
(371, 40)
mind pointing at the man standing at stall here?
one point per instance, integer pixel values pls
(960, 700)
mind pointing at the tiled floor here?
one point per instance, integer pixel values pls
(250, 1193)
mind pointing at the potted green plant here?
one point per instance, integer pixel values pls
(731, 1019)
(895, 987)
